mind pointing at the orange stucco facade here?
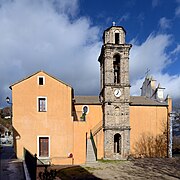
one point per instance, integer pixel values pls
(54, 123)
(61, 121)
(66, 134)
(61, 128)
(145, 121)
(82, 131)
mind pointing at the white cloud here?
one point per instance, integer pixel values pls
(66, 6)
(176, 50)
(35, 36)
(171, 83)
(38, 34)
(177, 10)
(165, 23)
(152, 55)
(135, 87)
(125, 17)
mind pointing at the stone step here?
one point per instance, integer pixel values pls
(90, 157)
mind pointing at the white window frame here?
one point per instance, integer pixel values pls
(38, 80)
(87, 107)
(38, 103)
(49, 145)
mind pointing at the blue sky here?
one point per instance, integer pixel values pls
(139, 18)
(64, 38)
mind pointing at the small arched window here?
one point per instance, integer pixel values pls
(117, 143)
(117, 110)
(85, 111)
(116, 67)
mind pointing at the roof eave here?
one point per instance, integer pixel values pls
(37, 73)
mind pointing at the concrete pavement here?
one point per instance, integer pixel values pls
(10, 167)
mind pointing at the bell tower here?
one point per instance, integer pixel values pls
(115, 93)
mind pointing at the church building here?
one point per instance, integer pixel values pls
(61, 128)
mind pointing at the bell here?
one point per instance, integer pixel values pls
(116, 68)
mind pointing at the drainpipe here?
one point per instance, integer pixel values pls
(171, 118)
(169, 126)
(170, 136)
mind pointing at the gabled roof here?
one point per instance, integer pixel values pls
(37, 73)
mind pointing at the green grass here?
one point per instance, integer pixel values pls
(110, 161)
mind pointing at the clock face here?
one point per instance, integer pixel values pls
(117, 92)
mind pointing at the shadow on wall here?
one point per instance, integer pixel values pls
(16, 137)
(149, 145)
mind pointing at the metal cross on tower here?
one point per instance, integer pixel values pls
(147, 72)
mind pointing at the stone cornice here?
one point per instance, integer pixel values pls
(122, 128)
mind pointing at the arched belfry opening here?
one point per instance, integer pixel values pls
(116, 67)
(116, 38)
(117, 143)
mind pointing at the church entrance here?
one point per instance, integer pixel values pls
(117, 143)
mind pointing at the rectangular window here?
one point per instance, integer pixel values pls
(43, 146)
(42, 104)
(41, 80)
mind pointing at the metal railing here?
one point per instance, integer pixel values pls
(97, 128)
